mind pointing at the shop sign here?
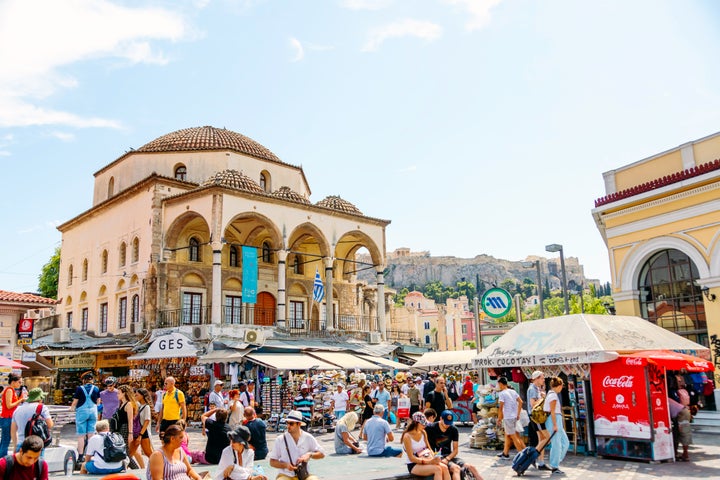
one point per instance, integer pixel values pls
(138, 373)
(110, 360)
(197, 370)
(79, 361)
(29, 356)
(25, 328)
(172, 345)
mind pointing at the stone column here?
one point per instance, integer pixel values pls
(329, 317)
(216, 244)
(381, 304)
(282, 302)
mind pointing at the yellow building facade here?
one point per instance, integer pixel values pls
(660, 220)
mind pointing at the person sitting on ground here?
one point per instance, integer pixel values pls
(421, 460)
(377, 431)
(257, 427)
(236, 461)
(26, 463)
(170, 462)
(294, 447)
(95, 463)
(217, 434)
(443, 436)
(345, 443)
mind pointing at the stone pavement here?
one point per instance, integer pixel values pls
(704, 455)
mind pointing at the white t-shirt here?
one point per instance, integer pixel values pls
(95, 448)
(509, 397)
(306, 443)
(341, 400)
(552, 395)
(405, 388)
(158, 400)
(216, 400)
(23, 414)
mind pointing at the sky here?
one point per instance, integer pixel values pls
(475, 126)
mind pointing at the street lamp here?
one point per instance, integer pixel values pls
(536, 264)
(552, 248)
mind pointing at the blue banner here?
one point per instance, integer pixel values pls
(249, 274)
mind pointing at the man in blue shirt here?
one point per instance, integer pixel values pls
(382, 397)
(377, 431)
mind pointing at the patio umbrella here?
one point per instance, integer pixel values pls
(6, 362)
(675, 360)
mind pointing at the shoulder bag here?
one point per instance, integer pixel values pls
(301, 470)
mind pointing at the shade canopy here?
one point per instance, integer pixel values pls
(674, 360)
(384, 362)
(579, 338)
(6, 362)
(344, 360)
(459, 359)
(290, 361)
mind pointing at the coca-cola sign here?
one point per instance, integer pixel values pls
(623, 381)
(634, 361)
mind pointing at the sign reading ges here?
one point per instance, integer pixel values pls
(496, 302)
(172, 345)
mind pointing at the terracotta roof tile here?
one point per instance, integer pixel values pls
(14, 297)
(286, 193)
(334, 202)
(234, 180)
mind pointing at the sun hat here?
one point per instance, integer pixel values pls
(536, 374)
(219, 382)
(419, 417)
(295, 416)
(447, 417)
(241, 434)
(35, 394)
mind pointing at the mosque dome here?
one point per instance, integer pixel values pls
(334, 202)
(234, 180)
(286, 193)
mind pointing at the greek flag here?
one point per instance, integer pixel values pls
(318, 288)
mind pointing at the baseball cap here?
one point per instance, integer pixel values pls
(536, 374)
(448, 417)
(218, 382)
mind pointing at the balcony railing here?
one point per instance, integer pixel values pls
(248, 315)
(345, 325)
(183, 316)
(400, 335)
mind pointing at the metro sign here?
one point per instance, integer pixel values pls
(496, 302)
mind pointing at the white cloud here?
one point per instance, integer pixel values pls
(299, 51)
(47, 225)
(4, 153)
(366, 4)
(479, 11)
(63, 136)
(65, 33)
(404, 28)
(409, 169)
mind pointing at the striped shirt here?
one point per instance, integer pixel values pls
(172, 471)
(304, 405)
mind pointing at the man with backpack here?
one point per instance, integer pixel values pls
(30, 417)
(105, 451)
(26, 463)
(84, 405)
(172, 407)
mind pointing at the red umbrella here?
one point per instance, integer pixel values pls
(6, 362)
(674, 360)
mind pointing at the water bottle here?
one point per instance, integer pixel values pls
(258, 470)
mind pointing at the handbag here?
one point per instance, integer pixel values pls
(301, 470)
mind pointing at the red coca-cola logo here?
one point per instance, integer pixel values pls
(633, 361)
(624, 381)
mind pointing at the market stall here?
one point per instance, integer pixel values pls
(570, 346)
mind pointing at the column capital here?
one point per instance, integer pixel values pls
(328, 262)
(282, 255)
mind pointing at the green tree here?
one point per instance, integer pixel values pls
(400, 297)
(48, 279)
(465, 288)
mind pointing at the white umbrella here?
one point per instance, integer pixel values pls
(579, 338)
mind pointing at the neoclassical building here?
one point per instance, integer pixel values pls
(660, 220)
(161, 245)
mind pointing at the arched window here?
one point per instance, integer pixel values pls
(84, 270)
(266, 252)
(181, 172)
(297, 265)
(111, 187)
(135, 309)
(135, 250)
(233, 260)
(669, 294)
(427, 339)
(265, 181)
(194, 252)
(104, 262)
(70, 275)
(123, 253)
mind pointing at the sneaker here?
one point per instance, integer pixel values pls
(557, 471)
(502, 456)
(544, 467)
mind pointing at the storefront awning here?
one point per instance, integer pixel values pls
(230, 355)
(385, 362)
(173, 345)
(461, 359)
(346, 361)
(673, 360)
(290, 361)
(70, 353)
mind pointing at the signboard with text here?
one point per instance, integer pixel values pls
(25, 328)
(170, 346)
(249, 274)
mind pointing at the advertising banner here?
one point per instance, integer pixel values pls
(620, 400)
(25, 328)
(662, 446)
(249, 274)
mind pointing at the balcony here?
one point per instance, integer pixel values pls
(351, 325)
(183, 316)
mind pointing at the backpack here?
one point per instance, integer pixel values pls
(452, 391)
(137, 425)
(118, 419)
(38, 426)
(538, 413)
(114, 448)
(10, 463)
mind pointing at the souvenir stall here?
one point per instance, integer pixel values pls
(575, 347)
(69, 370)
(631, 417)
(172, 355)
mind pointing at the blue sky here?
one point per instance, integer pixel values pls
(477, 127)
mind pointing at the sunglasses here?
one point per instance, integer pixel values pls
(292, 423)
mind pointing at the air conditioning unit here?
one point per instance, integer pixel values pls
(136, 328)
(201, 332)
(374, 337)
(61, 335)
(255, 336)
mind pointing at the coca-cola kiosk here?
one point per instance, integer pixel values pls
(630, 410)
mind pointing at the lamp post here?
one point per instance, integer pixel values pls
(536, 264)
(552, 248)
